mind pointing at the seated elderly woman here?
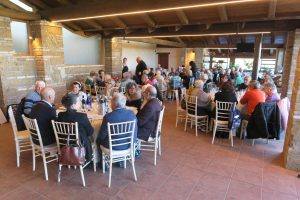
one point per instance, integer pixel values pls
(203, 99)
(133, 95)
(85, 129)
(226, 93)
(77, 90)
(271, 92)
(161, 83)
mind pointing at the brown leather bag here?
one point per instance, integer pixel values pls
(72, 154)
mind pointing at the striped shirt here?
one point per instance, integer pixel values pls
(30, 100)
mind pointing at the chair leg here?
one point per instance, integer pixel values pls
(242, 130)
(196, 126)
(214, 133)
(253, 141)
(155, 153)
(176, 118)
(186, 119)
(45, 166)
(59, 173)
(125, 162)
(159, 147)
(82, 175)
(33, 159)
(110, 171)
(207, 122)
(103, 163)
(133, 167)
(231, 138)
(18, 153)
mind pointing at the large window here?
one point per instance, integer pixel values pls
(267, 65)
(19, 37)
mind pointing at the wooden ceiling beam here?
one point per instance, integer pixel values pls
(149, 20)
(5, 12)
(11, 5)
(199, 44)
(118, 22)
(272, 9)
(73, 26)
(179, 40)
(158, 42)
(182, 17)
(223, 13)
(40, 4)
(64, 2)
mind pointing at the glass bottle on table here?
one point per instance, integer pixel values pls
(83, 103)
(88, 102)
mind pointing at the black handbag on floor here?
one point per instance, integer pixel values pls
(234, 118)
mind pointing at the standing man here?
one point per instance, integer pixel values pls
(141, 66)
(33, 97)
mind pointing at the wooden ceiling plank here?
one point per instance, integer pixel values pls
(179, 40)
(94, 24)
(74, 26)
(223, 13)
(118, 22)
(149, 20)
(182, 17)
(272, 9)
(64, 2)
(158, 41)
(18, 15)
(40, 4)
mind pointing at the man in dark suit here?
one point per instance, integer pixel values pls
(85, 129)
(141, 66)
(148, 115)
(119, 114)
(44, 112)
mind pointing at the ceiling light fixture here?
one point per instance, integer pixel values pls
(157, 10)
(194, 35)
(22, 5)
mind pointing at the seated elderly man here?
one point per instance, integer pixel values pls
(271, 93)
(252, 97)
(148, 115)
(44, 112)
(245, 84)
(119, 114)
(33, 97)
(203, 99)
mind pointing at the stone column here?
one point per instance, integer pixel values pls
(256, 59)
(183, 55)
(199, 55)
(113, 55)
(47, 47)
(292, 138)
(279, 60)
(289, 66)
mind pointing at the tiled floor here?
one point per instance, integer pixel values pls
(189, 168)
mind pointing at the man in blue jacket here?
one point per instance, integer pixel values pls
(118, 115)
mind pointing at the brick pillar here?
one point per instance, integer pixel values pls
(47, 47)
(199, 54)
(183, 55)
(6, 59)
(292, 138)
(256, 59)
(290, 59)
(113, 55)
(279, 60)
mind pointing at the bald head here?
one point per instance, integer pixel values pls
(39, 86)
(138, 59)
(48, 94)
(151, 90)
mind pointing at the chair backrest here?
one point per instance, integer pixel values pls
(12, 121)
(121, 135)
(191, 104)
(159, 123)
(101, 90)
(34, 131)
(62, 130)
(223, 110)
(123, 89)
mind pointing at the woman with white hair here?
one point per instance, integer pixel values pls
(203, 99)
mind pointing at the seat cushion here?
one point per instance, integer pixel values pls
(115, 153)
(23, 134)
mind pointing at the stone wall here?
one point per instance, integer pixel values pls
(79, 73)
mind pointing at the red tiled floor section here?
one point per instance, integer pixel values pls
(190, 168)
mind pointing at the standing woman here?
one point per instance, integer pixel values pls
(124, 66)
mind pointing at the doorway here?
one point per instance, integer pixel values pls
(163, 60)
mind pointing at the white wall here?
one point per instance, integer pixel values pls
(19, 37)
(146, 51)
(174, 56)
(81, 50)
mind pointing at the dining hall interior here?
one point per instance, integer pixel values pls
(110, 61)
